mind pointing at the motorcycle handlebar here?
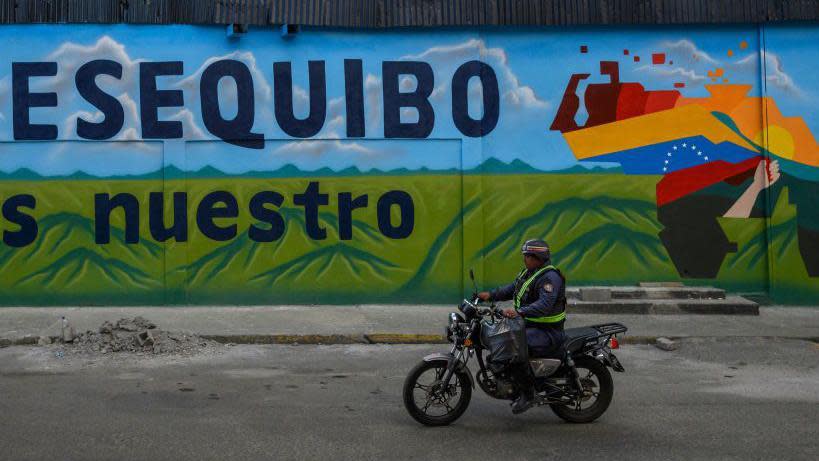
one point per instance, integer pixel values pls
(491, 310)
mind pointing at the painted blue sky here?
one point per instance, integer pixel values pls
(532, 66)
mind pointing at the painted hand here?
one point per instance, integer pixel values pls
(764, 177)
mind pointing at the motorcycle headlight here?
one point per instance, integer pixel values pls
(454, 319)
(467, 309)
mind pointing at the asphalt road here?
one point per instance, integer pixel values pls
(729, 399)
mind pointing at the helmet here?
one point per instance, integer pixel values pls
(536, 248)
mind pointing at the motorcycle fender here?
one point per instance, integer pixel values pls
(611, 360)
(449, 358)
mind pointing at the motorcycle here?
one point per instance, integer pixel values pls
(574, 381)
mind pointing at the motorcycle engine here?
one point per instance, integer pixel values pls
(497, 386)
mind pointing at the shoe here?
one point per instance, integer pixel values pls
(523, 403)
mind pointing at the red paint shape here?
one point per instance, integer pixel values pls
(680, 183)
(625, 52)
(661, 100)
(679, 85)
(601, 98)
(658, 58)
(636, 58)
(564, 119)
(632, 101)
(584, 49)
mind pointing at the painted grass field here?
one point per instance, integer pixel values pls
(602, 228)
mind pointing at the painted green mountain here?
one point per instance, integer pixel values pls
(489, 166)
(65, 263)
(601, 238)
(602, 228)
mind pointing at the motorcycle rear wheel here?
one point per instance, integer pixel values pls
(597, 381)
(424, 377)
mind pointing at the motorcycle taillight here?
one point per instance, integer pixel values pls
(613, 343)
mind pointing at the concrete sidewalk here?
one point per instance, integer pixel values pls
(381, 323)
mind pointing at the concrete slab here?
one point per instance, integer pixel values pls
(595, 294)
(661, 284)
(732, 305)
(627, 292)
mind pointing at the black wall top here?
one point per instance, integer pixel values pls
(405, 13)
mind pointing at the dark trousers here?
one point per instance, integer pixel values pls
(543, 341)
(522, 375)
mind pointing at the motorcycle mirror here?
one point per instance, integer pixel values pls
(472, 276)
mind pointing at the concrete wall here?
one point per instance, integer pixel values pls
(176, 165)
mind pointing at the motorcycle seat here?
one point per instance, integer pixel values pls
(576, 337)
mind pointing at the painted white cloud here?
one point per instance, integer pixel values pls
(687, 49)
(5, 106)
(262, 93)
(373, 93)
(261, 87)
(513, 93)
(131, 121)
(319, 147)
(70, 56)
(336, 115)
(4, 93)
(689, 59)
(775, 74)
(681, 74)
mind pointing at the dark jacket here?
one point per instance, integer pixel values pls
(545, 296)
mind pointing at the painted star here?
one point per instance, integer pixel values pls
(684, 145)
(705, 158)
(674, 147)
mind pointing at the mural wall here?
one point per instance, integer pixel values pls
(175, 165)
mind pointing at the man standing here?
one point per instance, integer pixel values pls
(539, 294)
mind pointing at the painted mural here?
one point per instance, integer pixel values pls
(174, 165)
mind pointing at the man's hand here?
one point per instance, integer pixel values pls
(484, 296)
(510, 313)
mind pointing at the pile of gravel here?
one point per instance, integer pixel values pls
(137, 335)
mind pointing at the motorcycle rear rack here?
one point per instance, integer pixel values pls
(609, 328)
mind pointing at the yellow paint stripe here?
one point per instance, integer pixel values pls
(646, 130)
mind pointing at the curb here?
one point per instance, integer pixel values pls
(386, 338)
(373, 338)
(405, 338)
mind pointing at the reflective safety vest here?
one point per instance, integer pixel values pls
(521, 292)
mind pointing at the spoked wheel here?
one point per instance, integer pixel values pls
(426, 399)
(597, 393)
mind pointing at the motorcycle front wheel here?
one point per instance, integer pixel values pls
(428, 402)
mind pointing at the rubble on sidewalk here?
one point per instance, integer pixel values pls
(665, 344)
(137, 335)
